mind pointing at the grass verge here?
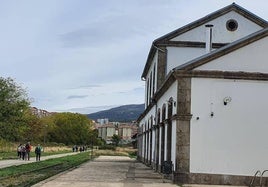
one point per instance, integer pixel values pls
(12, 154)
(32, 173)
(118, 151)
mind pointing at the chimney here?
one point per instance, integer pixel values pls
(208, 37)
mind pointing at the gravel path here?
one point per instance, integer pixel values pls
(108, 171)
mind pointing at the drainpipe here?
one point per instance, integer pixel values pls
(208, 37)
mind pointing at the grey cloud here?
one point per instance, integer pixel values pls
(112, 29)
(77, 96)
(138, 89)
(87, 86)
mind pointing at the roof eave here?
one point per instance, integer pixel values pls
(233, 7)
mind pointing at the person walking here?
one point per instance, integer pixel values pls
(19, 151)
(28, 150)
(37, 151)
(23, 152)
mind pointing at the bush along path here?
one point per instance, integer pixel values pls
(32, 173)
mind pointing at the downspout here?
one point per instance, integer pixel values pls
(208, 38)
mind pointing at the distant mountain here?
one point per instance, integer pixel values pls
(125, 113)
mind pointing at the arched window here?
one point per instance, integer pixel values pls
(170, 107)
(158, 116)
(163, 112)
(147, 94)
(150, 87)
(152, 121)
(154, 80)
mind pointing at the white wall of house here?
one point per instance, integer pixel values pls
(142, 146)
(149, 145)
(153, 145)
(165, 146)
(145, 121)
(250, 58)
(234, 140)
(171, 92)
(151, 81)
(220, 34)
(160, 144)
(173, 143)
(177, 56)
(104, 133)
(110, 131)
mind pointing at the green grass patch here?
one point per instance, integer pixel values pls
(132, 154)
(29, 174)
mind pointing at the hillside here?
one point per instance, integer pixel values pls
(125, 113)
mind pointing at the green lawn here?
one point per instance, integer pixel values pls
(29, 174)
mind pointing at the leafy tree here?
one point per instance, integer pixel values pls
(116, 139)
(31, 127)
(13, 103)
(70, 128)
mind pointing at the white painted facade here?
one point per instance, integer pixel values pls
(170, 93)
(251, 58)
(219, 32)
(226, 116)
(177, 56)
(234, 140)
(151, 80)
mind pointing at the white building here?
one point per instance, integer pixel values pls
(206, 99)
(123, 130)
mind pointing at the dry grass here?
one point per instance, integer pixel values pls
(125, 149)
(57, 149)
(120, 151)
(8, 150)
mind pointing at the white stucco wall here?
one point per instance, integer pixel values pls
(177, 56)
(160, 144)
(251, 58)
(234, 140)
(220, 34)
(171, 92)
(153, 145)
(173, 143)
(165, 146)
(151, 70)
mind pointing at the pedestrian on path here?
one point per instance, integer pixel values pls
(19, 151)
(28, 150)
(37, 151)
(23, 152)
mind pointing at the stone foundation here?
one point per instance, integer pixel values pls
(216, 179)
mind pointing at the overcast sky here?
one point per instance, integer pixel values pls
(88, 55)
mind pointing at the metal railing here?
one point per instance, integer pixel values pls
(255, 176)
(262, 177)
